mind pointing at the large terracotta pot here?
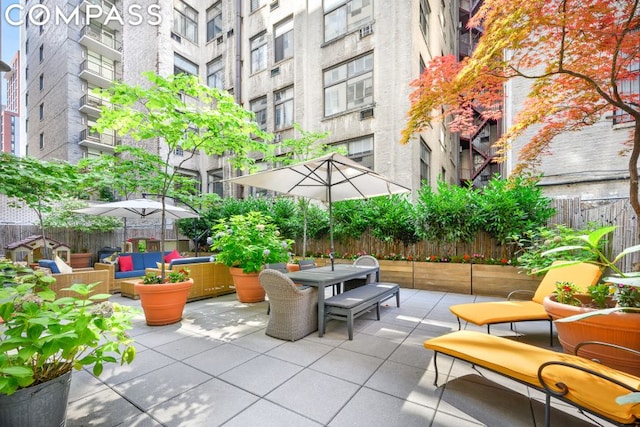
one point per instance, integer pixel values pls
(163, 304)
(615, 328)
(247, 285)
(81, 260)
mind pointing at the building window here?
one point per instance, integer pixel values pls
(41, 81)
(41, 53)
(342, 17)
(259, 108)
(421, 65)
(283, 43)
(214, 182)
(185, 21)
(359, 150)
(101, 65)
(349, 85)
(26, 99)
(628, 88)
(26, 73)
(215, 74)
(425, 162)
(214, 21)
(283, 108)
(41, 111)
(259, 52)
(26, 47)
(425, 10)
(42, 141)
(257, 4)
(183, 65)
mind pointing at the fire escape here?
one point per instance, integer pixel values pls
(477, 160)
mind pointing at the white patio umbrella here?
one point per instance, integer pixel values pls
(137, 208)
(329, 178)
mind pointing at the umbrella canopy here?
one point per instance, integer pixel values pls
(329, 178)
(137, 208)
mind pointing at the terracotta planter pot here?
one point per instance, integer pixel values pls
(81, 260)
(247, 285)
(163, 304)
(616, 328)
(293, 267)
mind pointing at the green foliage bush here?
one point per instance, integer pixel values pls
(511, 206)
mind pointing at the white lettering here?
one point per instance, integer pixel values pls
(92, 11)
(39, 18)
(40, 14)
(154, 11)
(7, 14)
(75, 15)
(133, 11)
(114, 15)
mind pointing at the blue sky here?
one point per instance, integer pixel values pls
(10, 35)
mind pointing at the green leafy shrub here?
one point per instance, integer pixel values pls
(508, 207)
(447, 216)
(249, 241)
(44, 337)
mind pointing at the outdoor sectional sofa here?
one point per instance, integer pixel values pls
(209, 278)
(83, 275)
(141, 261)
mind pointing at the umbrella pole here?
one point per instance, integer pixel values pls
(331, 254)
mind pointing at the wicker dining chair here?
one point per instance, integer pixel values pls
(293, 311)
(366, 260)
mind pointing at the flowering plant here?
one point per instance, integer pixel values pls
(566, 293)
(249, 241)
(174, 276)
(43, 337)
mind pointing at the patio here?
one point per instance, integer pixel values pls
(218, 368)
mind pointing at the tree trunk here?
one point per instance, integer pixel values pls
(633, 172)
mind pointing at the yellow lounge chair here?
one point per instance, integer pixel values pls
(582, 275)
(583, 383)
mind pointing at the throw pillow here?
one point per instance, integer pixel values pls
(111, 259)
(126, 263)
(172, 255)
(62, 266)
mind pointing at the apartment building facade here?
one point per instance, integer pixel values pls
(336, 66)
(9, 116)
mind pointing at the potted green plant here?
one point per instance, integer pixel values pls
(582, 322)
(245, 243)
(163, 300)
(44, 337)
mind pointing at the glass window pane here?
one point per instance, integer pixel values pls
(335, 23)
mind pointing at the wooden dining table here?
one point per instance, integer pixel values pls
(323, 277)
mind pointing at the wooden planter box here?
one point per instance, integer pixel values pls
(499, 280)
(400, 272)
(442, 276)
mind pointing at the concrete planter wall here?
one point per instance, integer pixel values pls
(400, 272)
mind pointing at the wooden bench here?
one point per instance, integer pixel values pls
(581, 382)
(355, 302)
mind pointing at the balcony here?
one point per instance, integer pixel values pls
(101, 42)
(91, 104)
(98, 141)
(105, 6)
(98, 74)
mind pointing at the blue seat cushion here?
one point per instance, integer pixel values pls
(150, 259)
(50, 264)
(191, 260)
(128, 274)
